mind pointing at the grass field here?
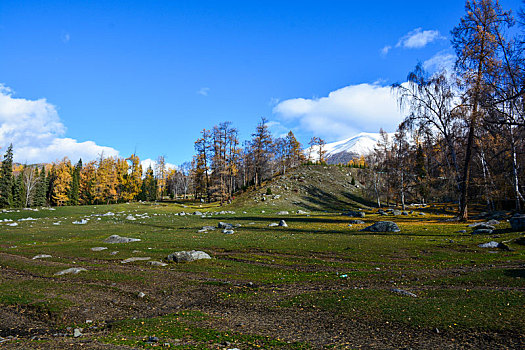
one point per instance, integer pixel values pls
(315, 284)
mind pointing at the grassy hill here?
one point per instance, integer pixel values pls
(309, 188)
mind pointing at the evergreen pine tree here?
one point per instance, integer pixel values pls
(40, 195)
(18, 191)
(6, 179)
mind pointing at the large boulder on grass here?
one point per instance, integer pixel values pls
(188, 256)
(382, 226)
(517, 222)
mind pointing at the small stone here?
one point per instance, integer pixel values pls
(157, 263)
(133, 259)
(41, 256)
(283, 223)
(98, 249)
(141, 295)
(228, 232)
(117, 239)
(403, 292)
(73, 270)
(81, 222)
(77, 333)
(482, 231)
(188, 256)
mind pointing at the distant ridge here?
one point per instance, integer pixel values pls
(348, 149)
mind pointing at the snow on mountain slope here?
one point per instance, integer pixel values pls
(348, 149)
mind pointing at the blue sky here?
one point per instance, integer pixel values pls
(149, 75)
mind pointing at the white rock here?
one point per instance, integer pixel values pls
(136, 258)
(98, 249)
(73, 270)
(41, 256)
(118, 239)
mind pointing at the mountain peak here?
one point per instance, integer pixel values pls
(345, 150)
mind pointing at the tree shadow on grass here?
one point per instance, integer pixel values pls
(516, 273)
(320, 199)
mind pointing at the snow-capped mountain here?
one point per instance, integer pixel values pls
(348, 149)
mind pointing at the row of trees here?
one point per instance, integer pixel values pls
(463, 137)
(222, 166)
(106, 180)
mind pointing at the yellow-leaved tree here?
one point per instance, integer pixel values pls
(106, 181)
(87, 183)
(133, 180)
(62, 182)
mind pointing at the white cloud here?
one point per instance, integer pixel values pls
(146, 163)
(277, 129)
(203, 91)
(418, 38)
(65, 37)
(441, 60)
(36, 132)
(385, 50)
(344, 112)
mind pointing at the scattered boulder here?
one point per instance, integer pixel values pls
(273, 224)
(396, 212)
(482, 225)
(81, 222)
(133, 259)
(403, 292)
(301, 212)
(197, 213)
(42, 256)
(493, 244)
(77, 333)
(118, 239)
(72, 270)
(130, 217)
(482, 231)
(283, 213)
(517, 222)
(228, 232)
(356, 222)
(98, 249)
(355, 214)
(157, 263)
(404, 213)
(283, 223)
(382, 226)
(225, 226)
(188, 256)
